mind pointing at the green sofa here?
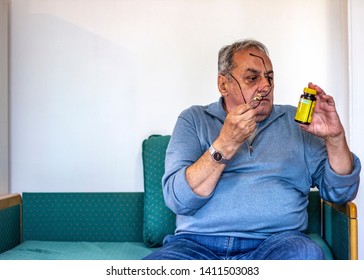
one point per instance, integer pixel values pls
(126, 225)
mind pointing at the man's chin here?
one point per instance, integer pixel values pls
(263, 110)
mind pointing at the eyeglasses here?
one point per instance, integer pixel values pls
(258, 96)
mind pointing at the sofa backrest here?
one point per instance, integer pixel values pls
(111, 217)
(159, 220)
(314, 213)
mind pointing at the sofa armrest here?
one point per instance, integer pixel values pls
(10, 221)
(340, 229)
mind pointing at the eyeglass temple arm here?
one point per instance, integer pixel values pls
(241, 91)
(265, 67)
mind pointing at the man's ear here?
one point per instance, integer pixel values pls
(222, 83)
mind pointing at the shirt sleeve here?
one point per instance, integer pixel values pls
(332, 186)
(183, 150)
(340, 188)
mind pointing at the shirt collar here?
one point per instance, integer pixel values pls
(217, 110)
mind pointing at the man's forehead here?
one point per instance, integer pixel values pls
(251, 60)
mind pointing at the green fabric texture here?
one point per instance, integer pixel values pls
(9, 228)
(314, 212)
(336, 232)
(159, 220)
(111, 217)
(60, 250)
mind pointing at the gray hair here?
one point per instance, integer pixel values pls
(226, 53)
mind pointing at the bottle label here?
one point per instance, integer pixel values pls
(305, 110)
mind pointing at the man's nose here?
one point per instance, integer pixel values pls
(264, 84)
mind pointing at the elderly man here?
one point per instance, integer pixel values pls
(238, 171)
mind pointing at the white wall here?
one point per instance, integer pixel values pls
(90, 79)
(356, 47)
(4, 156)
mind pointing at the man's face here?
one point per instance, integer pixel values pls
(253, 72)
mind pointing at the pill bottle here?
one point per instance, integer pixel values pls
(306, 106)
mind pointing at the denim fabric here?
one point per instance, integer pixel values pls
(291, 245)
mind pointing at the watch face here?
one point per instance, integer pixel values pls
(217, 156)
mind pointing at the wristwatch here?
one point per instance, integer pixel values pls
(217, 156)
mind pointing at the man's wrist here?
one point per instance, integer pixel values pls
(217, 156)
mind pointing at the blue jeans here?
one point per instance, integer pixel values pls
(290, 245)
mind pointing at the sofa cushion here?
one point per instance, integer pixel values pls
(64, 250)
(159, 220)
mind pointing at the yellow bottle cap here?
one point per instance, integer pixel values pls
(309, 91)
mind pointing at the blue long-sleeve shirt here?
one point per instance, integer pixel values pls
(264, 187)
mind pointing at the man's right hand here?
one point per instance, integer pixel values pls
(239, 124)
